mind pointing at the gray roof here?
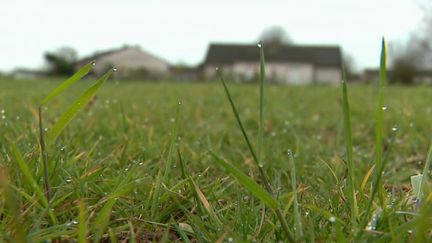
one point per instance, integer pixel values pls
(325, 56)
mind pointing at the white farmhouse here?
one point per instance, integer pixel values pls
(129, 61)
(291, 64)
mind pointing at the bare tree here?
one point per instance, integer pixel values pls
(416, 55)
(274, 36)
(61, 61)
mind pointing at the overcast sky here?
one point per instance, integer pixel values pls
(180, 31)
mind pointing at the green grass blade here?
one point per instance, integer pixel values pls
(162, 177)
(112, 235)
(248, 183)
(260, 145)
(419, 181)
(206, 204)
(237, 116)
(380, 112)
(297, 217)
(379, 145)
(245, 136)
(77, 76)
(171, 150)
(102, 220)
(77, 105)
(349, 151)
(9, 201)
(82, 222)
(263, 177)
(426, 168)
(28, 177)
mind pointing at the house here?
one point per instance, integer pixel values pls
(130, 61)
(293, 64)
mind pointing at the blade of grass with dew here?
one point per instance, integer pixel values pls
(379, 126)
(260, 149)
(74, 78)
(263, 177)
(77, 105)
(349, 151)
(248, 183)
(378, 159)
(297, 218)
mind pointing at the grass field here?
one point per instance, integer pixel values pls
(110, 180)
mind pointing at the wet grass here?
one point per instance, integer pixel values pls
(135, 164)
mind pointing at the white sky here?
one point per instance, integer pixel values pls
(180, 31)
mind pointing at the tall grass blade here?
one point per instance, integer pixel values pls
(74, 78)
(255, 158)
(297, 217)
(425, 173)
(77, 105)
(380, 112)
(379, 146)
(44, 156)
(174, 136)
(249, 184)
(349, 151)
(260, 145)
(245, 136)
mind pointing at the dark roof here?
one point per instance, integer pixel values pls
(329, 56)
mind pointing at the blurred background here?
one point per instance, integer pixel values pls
(305, 41)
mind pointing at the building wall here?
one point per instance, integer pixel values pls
(327, 75)
(289, 73)
(132, 59)
(246, 71)
(210, 71)
(422, 79)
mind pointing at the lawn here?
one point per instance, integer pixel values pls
(109, 176)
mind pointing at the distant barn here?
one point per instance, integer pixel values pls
(291, 64)
(130, 61)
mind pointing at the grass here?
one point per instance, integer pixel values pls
(134, 166)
